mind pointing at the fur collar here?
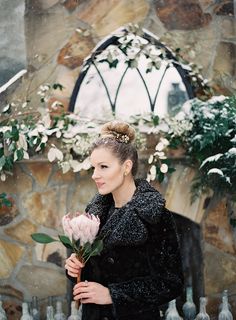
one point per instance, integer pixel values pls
(126, 225)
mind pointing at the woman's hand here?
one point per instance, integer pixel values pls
(92, 292)
(73, 265)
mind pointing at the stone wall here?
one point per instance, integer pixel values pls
(41, 195)
(205, 32)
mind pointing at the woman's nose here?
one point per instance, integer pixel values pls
(95, 174)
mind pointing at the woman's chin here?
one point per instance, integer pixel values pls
(102, 192)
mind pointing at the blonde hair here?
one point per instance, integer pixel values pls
(119, 137)
(119, 130)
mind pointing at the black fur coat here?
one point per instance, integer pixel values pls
(140, 262)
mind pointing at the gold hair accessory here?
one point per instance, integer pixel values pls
(122, 137)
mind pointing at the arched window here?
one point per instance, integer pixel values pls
(128, 74)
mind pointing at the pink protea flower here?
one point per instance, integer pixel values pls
(66, 225)
(83, 227)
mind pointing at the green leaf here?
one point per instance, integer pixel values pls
(2, 161)
(97, 247)
(161, 177)
(15, 133)
(65, 241)
(4, 201)
(75, 245)
(166, 161)
(233, 222)
(155, 120)
(7, 135)
(113, 64)
(3, 195)
(171, 170)
(57, 86)
(9, 163)
(20, 154)
(42, 238)
(87, 247)
(7, 203)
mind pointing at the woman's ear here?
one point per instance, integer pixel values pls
(128, 164)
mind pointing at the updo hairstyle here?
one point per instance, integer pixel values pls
(119, 137)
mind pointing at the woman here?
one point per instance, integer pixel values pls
(139, 268)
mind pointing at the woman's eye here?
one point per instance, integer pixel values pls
(103, 166)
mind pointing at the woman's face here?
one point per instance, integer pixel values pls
(108, 172)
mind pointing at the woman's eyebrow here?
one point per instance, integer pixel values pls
(101, 162)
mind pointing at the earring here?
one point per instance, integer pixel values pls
(125, 174)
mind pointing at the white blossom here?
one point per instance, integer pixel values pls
(38, 147)
(160, 146)
(44, 88)
(49, 132)
(164, 141)
(25, 155)
(160, 154)
(3, 176)
(5, 129)
(33, 133)
(65, 166)
(44, 139)
(58, 134)
(56, 104)
(132, 53)
(60, 124)
(153, 172)
(86, 164)
(150, 160)
(164, 168)
(22, 143)
(54, 154)
(110, 54)
(15, 157)
(46, 120)
(75, 165)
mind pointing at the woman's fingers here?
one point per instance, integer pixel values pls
(91, 292)
(82, 295)
(82, 292)
(72, 268)
(74, 261)
(72, 274)
(73, 265)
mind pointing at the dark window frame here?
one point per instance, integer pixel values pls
(113, 40)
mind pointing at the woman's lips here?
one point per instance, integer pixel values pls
(99, 184)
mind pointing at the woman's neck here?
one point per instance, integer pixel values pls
(125, 193)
